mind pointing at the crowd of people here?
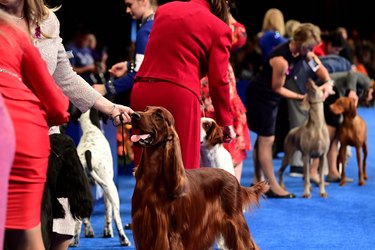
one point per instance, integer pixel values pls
(192, 71)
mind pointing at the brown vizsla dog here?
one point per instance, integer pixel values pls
(174, 208)
(352, 132)
(311, 138)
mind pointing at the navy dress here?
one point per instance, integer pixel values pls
(262, 101)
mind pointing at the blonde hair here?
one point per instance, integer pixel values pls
(36, 11)
(274, 20)
(307, 33)
(290, 26)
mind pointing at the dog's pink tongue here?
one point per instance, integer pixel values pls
(136, 138)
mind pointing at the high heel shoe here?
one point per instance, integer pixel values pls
(271, 194)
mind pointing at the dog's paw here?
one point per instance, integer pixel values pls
(108, 232)
(124, 241)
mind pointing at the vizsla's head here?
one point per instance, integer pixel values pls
(155, 125)
(344, 105)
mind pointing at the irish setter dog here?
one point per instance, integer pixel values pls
(178, 209)
(353, 132)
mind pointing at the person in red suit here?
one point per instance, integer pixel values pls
(187, 42)
(34, 102)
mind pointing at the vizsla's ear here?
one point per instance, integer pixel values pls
(352, 109)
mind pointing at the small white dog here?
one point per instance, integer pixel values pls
(95, 154)
(212, 151)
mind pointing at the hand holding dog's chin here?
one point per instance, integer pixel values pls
(124, 110)
(229, 133)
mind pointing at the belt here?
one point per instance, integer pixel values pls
(10, 73)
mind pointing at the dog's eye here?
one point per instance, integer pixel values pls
(206, 125)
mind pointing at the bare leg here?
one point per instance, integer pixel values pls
(238, 171)
(264, 155)
(258, 174)
(333, 153)
(30, 239)
(60, 241)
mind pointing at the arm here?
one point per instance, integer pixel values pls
(279, 70)
(37, 77)
(323, 75)
(219, 85)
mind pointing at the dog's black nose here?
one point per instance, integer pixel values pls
(135, 116)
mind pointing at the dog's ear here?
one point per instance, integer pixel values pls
(215, 134)
(352, 109)
(174, 172)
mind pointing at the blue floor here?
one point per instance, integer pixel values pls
(345, 220)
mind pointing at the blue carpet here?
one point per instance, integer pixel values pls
(345, 220)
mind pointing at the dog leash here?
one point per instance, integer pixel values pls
(122, 135)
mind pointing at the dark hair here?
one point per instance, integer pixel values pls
(335, 38)
(220, 8)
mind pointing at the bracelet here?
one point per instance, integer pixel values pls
(113, 108)
(329, 81)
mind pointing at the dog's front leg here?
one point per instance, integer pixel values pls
(306, 174)
(322, 161)
(342, 159)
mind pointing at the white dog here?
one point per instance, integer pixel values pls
(212, 151)
(95, 154)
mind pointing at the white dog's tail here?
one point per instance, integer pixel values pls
(92, 175)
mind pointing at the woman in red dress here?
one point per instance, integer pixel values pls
(187, 42)
(34, 103)
(239, 146)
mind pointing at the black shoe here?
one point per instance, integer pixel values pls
(128, 226)
(337, 179)
(296, 171)
(271, 194)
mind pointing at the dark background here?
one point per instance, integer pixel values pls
(108, 20)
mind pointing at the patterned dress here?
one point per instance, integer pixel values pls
(239, 146)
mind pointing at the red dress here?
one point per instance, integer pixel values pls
(173, 65)
(34, 103)
(238, 146)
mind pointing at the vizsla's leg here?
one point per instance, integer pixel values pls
(361, 180)
(365, 152)
(342, 159)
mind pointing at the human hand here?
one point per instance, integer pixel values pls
(120, 114)
(229, 133)
(327, 89)
(353, 95)
(100, 88)
(119, 69)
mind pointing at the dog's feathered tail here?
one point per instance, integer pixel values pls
(251, 195)
(73, 183)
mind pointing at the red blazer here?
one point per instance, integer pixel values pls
(186, 43)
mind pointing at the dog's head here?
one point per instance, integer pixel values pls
(158, 137)
(344, 105)
(211, 133)
(314, 95)
(155, 125)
